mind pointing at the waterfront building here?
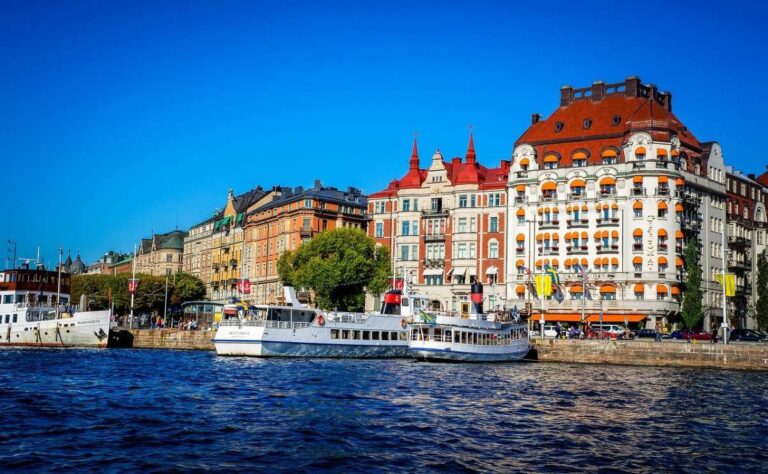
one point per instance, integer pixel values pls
(445, 226)
(161, 254)
(73, 267)
(104, 264)
(288, 218)
(124, 265)
(747, 225)
(197, 250)
(613, 182)
(227, 246)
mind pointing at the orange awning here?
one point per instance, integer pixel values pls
(639, 288)
(567, 262)
(678, 207)
(550, 159)
(661, 288)
(579, 155)
(637, 205)
(592, 318)
(608, 181)
(540, 210)
(520, 237)
(604, 234)
(680, 182)
(539, 237)
(521, 212)
(578, 183)
(637, 179)
(605, 261)
(674, 153)
(597, 262)
(598, 206)
(546, 235)
(555, 210)
(663, 260)
(614, 206)
(609, 153)
(597, 235)
(675, 290)
(549, 186)
(638, 260)
(615, 261)
(661, 152)
(584, 208)
(538, 262)
(662, 232)
(584, 235)
(663, 179)
(520, 262)
(520, 289)
(524, 162)
(637, 233)
(584, 262)
(520, 187)
(607, 289)
(555, 236)
(663, 205)
(577, 289)
(640, 150)
(615, 234)
(678, 234)
(555, 262)
(567, 236)
(678, 262)
(568, 208)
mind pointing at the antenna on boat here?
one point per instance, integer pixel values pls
(58, 284)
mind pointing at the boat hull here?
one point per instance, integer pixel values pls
(447, 354)
(83, 329)
(304, 349)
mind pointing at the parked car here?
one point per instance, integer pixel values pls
(745, 335)
(645, 333)
(550, 330)
(696, 335)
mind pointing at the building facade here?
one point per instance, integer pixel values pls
(747, 226)
(288, 218)
(197, 250)
(445, 226)
(161, 254)
(613, 182)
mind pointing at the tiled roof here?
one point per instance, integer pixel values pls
(351, 197)
(170, 240)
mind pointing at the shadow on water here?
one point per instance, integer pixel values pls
(172, 410)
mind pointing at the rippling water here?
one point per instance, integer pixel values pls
(149, 411)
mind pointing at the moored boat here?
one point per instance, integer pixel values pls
(478, 338)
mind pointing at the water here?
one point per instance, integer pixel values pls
(151, 411)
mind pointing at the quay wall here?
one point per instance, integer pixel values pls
(172, 339)
(741, 356)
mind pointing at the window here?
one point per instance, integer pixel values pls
(379, 229)
(406, 227)
(461, 250)
(472, 250)
(307, 203)
(493, 249)
(559, 126)
(586, 123)
(493, 224)
(462, 200)
(462, 226)
(578, 163)
(406, 205)
(472, 200)
(494, 200)
(404, 252)
(437, 204)
(616, 120)
(472, 226)
(638, 212)
(414, 227)
(433, 280)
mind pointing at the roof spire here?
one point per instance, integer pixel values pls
(471, 157)
(414, 162)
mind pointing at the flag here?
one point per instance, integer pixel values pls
(552, 274)
(543, 285)
(730, 283)
(515, 314)
(428, 318)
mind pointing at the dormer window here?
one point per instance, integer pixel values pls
(579, 159)
(609, 157)
(550, 162)
(559, 126)
(587, 123)
(616, 120)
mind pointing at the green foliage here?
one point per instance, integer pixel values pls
(693, 308)
(149, 297)
(338, 265)
(761, 308)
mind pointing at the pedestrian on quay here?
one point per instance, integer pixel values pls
(657, 335)
(714, 334)
(558, 330)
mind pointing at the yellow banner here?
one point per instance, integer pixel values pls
(730, 283)
(543, 285)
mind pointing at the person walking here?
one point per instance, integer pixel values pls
(657, 336)
(714, 335)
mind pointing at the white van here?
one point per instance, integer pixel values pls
(615, 329)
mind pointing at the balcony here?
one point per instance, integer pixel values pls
(549, 197)
(434, 262)
(305, 231)
(740, 265)
(434, 237)
(606, 193)
(549, 224)
(611, 221)
(520, 251)
(662, 164)
(522, 174)
(638, 165)
(637, 247)
(577, 250)
(607, 248)
(663, 246)
(434, 212)
(577, 222)
(662, 192)
(554, 250)
(637, 191)
(739, 242)
(577, 196)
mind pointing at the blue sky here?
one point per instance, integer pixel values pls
(120, 118)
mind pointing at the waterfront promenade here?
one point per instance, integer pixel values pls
(668, 353)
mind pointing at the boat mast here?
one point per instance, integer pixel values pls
(133, 282)
(58, 285)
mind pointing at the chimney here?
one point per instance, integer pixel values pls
(652, 91)
(751, 176)
(667, 100)
(632, 86)
(456, 161)
(566, 95)
(535, 118)
(318, 184)
(598, 91)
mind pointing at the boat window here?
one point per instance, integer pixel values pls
(7, 318)
(7, 299)
(375, 335)
(384, 336)
(393, 336)
(345, 333)
(334, 333)
(403, 336)
(355, 334)
(366, 335)
(404, 303)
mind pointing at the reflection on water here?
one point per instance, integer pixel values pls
(140, 410)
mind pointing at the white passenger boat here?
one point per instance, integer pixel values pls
(297, 331)
(477, 338)
(35, 312)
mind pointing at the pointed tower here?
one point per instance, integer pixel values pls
(414, 162)
(471, 157)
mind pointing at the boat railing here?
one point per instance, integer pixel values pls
(44, 306)
(264, 323)
(354, 318)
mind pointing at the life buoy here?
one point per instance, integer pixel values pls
(403, 324)
(320, 320)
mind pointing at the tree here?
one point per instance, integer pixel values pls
(338, 266)
(761, 307)
(693, 306)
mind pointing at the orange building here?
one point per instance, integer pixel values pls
(293, 216)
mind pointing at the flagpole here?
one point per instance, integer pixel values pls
(725, 294)
(583, 292)
(133, 282)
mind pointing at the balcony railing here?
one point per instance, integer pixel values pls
(434, 262)
(434, 212)
(434, 237)
(578, 222)
(549, 224)
(662, 192)
(602, 222)
(637, 191)
(305, 231)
